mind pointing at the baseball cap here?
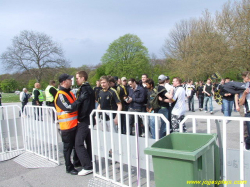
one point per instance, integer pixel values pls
(123, 78)
(162, 78)
(64, 77)
(167, 78)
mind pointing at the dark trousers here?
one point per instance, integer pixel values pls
(191, 103)
(201, 100)
(37, 111)
(132, 121)
(51, 104)
(23, 105)
(84, 154)
(68, 139)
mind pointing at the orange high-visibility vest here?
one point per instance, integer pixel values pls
(67, 120)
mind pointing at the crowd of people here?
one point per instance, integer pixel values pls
(122, 94)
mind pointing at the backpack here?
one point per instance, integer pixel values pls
(154, 101)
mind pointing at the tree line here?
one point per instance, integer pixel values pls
(194, 49)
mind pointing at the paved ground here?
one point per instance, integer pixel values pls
(13, 174)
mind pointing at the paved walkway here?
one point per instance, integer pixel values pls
(13, 174)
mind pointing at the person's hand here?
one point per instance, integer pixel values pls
(129, 100)
(238, 108)
(246, 91)
(160, 98)
(116, 120)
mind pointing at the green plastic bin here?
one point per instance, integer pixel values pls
(182, 157)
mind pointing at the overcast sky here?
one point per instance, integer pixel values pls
(86, 28)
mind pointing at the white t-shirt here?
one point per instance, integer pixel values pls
(168, 87)
(21, 96)
(180, 105)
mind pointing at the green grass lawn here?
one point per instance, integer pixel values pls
(10, 98)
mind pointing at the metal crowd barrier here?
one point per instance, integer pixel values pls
(223, 144)
(40, 131)
(11, 132)
(120, 159)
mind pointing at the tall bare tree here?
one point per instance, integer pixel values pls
(35, 53)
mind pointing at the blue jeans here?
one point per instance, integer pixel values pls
(163, 111)
(227, 107)
(206, 99)
(248, 123)
(152, 125)
(191, 103)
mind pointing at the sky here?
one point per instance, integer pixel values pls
(85, 29)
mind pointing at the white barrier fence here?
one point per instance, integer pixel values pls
(11, 132)
(40, 131)
(34, 131)
(120, 159)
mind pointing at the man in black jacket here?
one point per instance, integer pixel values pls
(83, 131)
(67, 106)
(227, 100)
(136, 102)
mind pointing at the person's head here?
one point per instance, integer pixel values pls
(65, 80)
(222, 81)
(227, 79)
(98, 84)
(81, 77)
(208, 81)
(132, 83)
(176, 81)
(150, 83)
(144, 77)
(52, 83)
(167, 79)
(246, 76)
(200, 83)
(25, 90)
(104, 80)
(119, 81)
(37, 85)
(161, 79)
(190, 82)
(124, 81)
(112, 81)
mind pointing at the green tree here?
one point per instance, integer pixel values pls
(126, 56)
(9, 85)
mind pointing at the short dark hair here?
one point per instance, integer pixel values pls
(178, 79)
(190, 81)
(145, 75)
(245, 74)
(112, 79)
(151, 82)
(227, 78)
(83, 74)
(132, 80)
(52, 82)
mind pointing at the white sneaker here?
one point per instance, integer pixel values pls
(205, 111)
(85, 172)
(211, 112)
